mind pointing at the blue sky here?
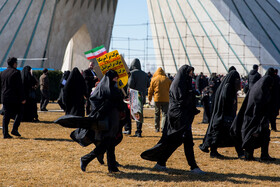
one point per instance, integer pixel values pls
(130, 31)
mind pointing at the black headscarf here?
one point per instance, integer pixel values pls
(251, 125)
(224, 111)
(74, 92)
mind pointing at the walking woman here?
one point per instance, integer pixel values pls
(251, 125)
(224, 112)
(107, 103)
(178, 127)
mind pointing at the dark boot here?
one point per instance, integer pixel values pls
(203, 148)
(264, 153)
(214, 153)
(249, 155)
(85, 160)
(100, 159)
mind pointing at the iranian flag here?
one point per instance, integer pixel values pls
(96, 52)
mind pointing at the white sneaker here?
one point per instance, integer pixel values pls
(160, 168)
(198, 171)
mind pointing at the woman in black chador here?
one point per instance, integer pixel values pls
(177, 129)
(73, 94)
(62, 84)
(224, 112)
(106, 103)
(29, 84)
(251, 125)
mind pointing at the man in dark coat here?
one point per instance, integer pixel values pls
(253, 76)
(44, 88)
(74, 93)
(177, 129)
(139, 81)
(251, 125)
(224, 111)
(90, 78)
(12, 97)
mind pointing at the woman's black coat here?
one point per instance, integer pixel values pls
(73, 94)
(251, 125)
(224, 112)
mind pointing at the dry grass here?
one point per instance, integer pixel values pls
(46, 156)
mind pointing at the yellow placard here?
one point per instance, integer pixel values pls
(113, 61)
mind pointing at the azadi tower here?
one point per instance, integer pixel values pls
(212, 35)
(38, 31)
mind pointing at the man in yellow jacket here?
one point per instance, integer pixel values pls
(159, 88)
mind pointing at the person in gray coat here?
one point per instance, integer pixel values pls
(139, 81)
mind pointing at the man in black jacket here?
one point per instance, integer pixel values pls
(12, 97)
(90, 78)
(253, 76)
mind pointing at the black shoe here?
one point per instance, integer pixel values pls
(36, 120)
(83, 165)
(44, 109)
(138, 135)
(16, 133)
(100, 159)
(267, 158)
(114, 170)
(7, 137)
(203, 148)
(118, 164)
(216, 155)
(242, 157)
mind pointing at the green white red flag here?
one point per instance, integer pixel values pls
(96, 52)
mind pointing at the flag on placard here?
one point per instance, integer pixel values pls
(96, 52)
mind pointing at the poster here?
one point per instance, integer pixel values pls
(113, 60)
(136, 107)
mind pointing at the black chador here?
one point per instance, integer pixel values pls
(251, 125)
(73, 94)
(29, 85)
(62, 83)
(224, 112)
(106, 103)
(177, 129)
(206, 101)
(274, 103)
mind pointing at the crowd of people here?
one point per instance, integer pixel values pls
(175, 97)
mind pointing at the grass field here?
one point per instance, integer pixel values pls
(46, 156)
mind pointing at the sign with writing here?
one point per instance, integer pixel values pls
(113, 61)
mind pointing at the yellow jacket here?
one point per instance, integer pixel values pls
(159, 87)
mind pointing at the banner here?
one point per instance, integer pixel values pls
(113, 61)
(136, 107)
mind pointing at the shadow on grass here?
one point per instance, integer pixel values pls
(54, 139)
(47, 122)
(178, 175)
